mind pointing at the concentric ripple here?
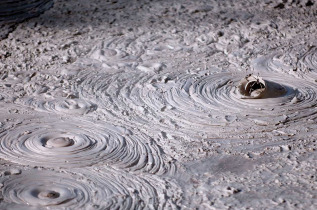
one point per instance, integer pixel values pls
(45, 188)
(294, 62)
(69, 144)
(273, 62)
(62, 106)
(117, 52)
(147, 52)
(309, 62)
(79, 189)
(196, 102)
(310, 58)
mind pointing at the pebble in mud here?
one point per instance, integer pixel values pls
(13, 171)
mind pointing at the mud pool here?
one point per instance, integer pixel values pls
(167, 104)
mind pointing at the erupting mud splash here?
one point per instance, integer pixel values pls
(212, 99)
(254, 87)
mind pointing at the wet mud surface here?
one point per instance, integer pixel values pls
(158, 104)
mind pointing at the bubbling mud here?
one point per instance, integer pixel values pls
(62, 106)
(254, 87)
(211, 99)
(147, 52)
(117, 53)
(101, 100)
(70, 144)
(81, 188)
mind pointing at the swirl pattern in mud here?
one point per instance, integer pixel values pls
(117, 52)
(273, 62)
(69, 144)
(308, 63)
(148, 52)
(310, 58)
(174, 100)
(63, 105)
(81, 188)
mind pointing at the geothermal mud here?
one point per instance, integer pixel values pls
(158, 104)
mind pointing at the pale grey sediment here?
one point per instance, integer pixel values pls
(62, 105)
(212, 99)
(80, 188)
(308, 63)
(76, 143)
(106, 98)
